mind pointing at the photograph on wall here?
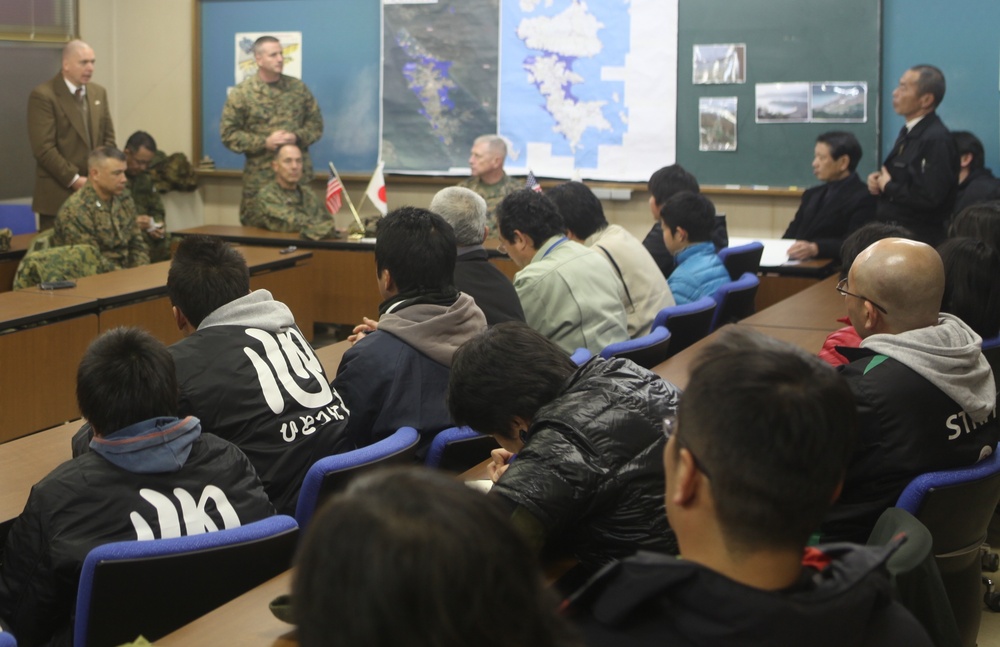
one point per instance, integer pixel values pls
(291, 47)
(717, 123)
(782, 102)
(719, 63)
(839, 101)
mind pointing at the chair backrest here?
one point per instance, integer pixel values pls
(991, 351)
(332, 474)
(154, 587)
(646, 351)
(916, 581)
(742, 258)
(956, 506)
(580, 356)
(687, 323)
(19, 218)
(7, 639)
(457, 449)
(735, 300)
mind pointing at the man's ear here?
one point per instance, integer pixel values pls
(687, 478)
(385, 278)
(182, 322)
(966, 160)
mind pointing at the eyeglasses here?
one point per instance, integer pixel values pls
(843, 292)
(670, 429)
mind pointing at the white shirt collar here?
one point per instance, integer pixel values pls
(913, 122)
(72, 88)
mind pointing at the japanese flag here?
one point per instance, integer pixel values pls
(376, 190)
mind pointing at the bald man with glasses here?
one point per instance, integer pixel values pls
(926, 397)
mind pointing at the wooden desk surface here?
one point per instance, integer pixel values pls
(25, 461)
(137, 283)
(18, 246)
(817, 307)
(261, 236)
(24, 307)
(330, 356)
(243, 621)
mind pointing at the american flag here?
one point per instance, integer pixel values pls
(333, 191)
(532, 183)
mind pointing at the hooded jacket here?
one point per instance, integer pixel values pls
(591, 470)
(699, 273)
(926, 401)
(397, 376)
(253, 379)
(137, 483)
(843, 598)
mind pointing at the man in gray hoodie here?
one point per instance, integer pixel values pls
(925, 394)
(247, 372)
(396, 374)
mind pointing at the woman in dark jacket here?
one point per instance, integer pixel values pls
(581, 464)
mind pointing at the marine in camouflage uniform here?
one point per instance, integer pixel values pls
(493, 194)
(149, 203)
(256, 109)
(109, 225)
(295, 209)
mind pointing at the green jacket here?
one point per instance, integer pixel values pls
(287, 210)
(110, 226)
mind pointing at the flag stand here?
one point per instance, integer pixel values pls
(350, 204)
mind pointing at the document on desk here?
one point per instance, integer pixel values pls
(483, 485)
(775, 250)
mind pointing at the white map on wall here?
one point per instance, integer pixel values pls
(582, 87)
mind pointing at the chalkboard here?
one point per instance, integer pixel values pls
(33, 64)
(341, 64)
(786, 41)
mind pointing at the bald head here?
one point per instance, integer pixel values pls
(903, 276)
(78, 62)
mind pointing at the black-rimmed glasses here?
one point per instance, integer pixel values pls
(843, 292)
(669, 429)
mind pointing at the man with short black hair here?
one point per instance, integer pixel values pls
(687, 220)
(148, 475)
(567, 291)
(917, 182)
(99, 215)
(975, 182)
(926, 396)
(663, 185)
(140, 150)
(756, 453)
(645, 290)
(245, 369)
(488, 177)
(833, 210)
(396, 373)
(465, 211)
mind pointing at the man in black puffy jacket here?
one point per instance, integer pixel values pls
(148, 475)
(581, 464)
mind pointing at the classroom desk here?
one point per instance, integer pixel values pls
(342, 272)
(330, 356)
(817, 307)
(26, 461)
(781, 282)
(45, 339)
(137, 296)
(243, 621)
(10, 259)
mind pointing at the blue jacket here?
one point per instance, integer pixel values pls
(699, 273)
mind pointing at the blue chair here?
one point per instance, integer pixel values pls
(580, 356)
(458, 449)
(742, 258)
(956, 506)
(7, 639)
(332, 474)
(735, 299)
(687, 323)
(19, 218)
(991, 350)
(152, 588)
(646, 351)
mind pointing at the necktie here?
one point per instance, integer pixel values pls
(81, 101)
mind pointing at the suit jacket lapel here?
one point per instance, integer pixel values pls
(69, 106)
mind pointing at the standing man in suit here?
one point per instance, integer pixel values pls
(835, 209)
(68, 116)
(918, 180)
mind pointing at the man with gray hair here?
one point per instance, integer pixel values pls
(488, 177)
(926, 397)
(493, 292)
